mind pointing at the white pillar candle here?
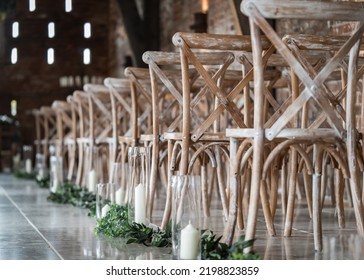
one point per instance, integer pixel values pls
(120, 196)
(104, 210)
(16, 161)
(40, 174)
(53, 173)
(189, 243)
(28, 165)
(139, 214)
(54, 185)
(91, 181)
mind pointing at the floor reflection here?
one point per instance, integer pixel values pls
(71, 232)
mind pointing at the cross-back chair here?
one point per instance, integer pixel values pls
(339, 130)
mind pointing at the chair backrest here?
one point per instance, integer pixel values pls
(314, 88)
(81, 100)
(49, 125)
(141, 101)
(100, 112)
(74, 118)
(211, 73)
(120, 97)
(167, 100)
(64, 123)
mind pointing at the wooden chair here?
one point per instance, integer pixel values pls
(340, 126)
(82, 106)
(233, 102)
(120, 96)
(49, 124)
(166, 99)
(102, 141)
(224, 88)
(333, 172)
(169, 119)
(133, 110)
(71, 141)
(275, 77)
(65, 142)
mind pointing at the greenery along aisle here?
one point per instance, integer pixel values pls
(69, 193)
(115, 224)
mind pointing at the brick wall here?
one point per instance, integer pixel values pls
(31, 80)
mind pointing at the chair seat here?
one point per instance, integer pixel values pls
(297, 134)
(207, 136)
(125, 139)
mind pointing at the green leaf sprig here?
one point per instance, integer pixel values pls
(43, 183)
(116, 224)
(69, 193)
(236, 251)
(212, 248)
(23, 175)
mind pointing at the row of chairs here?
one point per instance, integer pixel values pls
(255, 116)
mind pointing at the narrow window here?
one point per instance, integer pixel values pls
(85, 79)
(86, 56)
(50, 56)
(51, 30)
(32, 5)
(68, 6)
(13, 107)
(63, 81)
(14, 55)
(87, 30)
(15, 29)
(78, 81)
(71, 81)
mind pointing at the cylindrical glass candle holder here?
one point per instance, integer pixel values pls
(118, 177)
(28, 158)
(186, 207)
(138, 186)
(104, 198)
(55, 174)
(94, 169)
(16, 162)
(40, 166)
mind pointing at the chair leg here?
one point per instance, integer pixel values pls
(168, 205)
(71, 161)
(220, 178)
(258, 147)
(283, 186)
(211, 184)
(153, 176)
(273, 191)
(266, 209)
(291, 192)
(80, 165)
(307, 181)
(204, 187)
(356, 195)
(316, 200)
(339, 196)
(241, 181)
(232, 216)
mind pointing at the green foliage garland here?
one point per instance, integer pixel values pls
(115, 224)
(24, 175)
(43, 183)
(72, 194)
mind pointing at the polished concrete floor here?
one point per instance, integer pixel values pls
(33, 228)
